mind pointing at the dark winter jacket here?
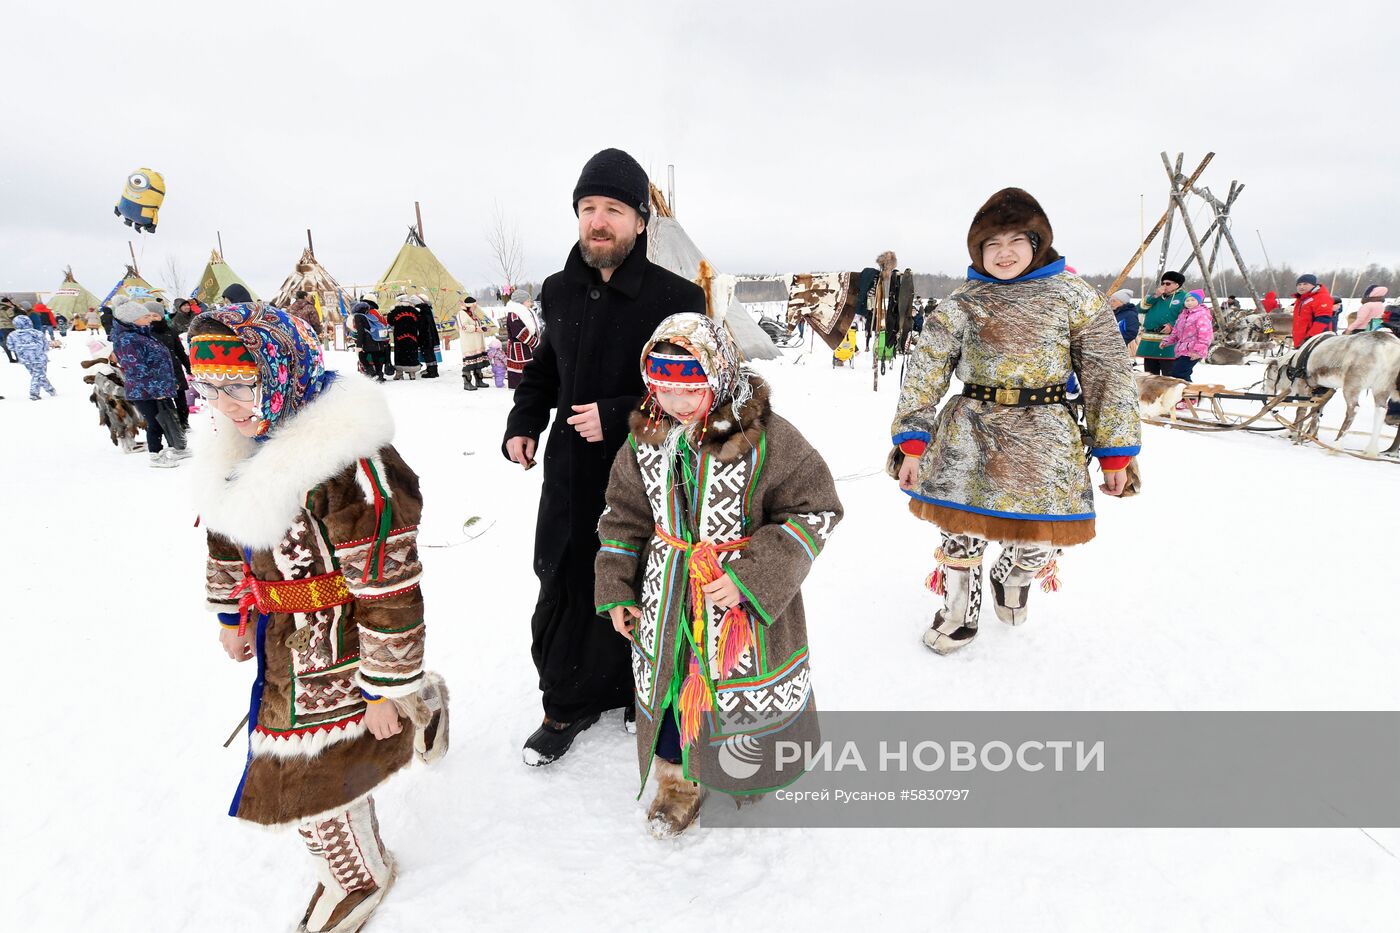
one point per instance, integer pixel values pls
(180, 320)
(163, 333)
(146, 365)
(107, 319)
(360, 316)
(593, 337)
(1128, 323)
(404, 319)
(428, 339)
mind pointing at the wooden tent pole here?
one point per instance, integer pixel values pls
(220, 237)
(1179, 196)
(310, 247)
(1128, 269)
(132, 250)
(418, 211)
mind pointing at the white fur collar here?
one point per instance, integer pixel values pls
(251, 492)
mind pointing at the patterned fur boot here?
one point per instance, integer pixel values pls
(1013, 574)
(959, 579)
(353, 868)
(677, 801)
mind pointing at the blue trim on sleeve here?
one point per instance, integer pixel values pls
(1055, 268)
(1115, 451)
(618, 550)
(1021, 516)
(903, 436)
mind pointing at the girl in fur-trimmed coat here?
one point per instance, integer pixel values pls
(1004, 460)
(716, 509)
(312, 517)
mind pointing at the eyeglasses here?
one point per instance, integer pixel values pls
(238, 391)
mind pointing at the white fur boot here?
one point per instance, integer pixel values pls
(959, 579)
(1013, 574)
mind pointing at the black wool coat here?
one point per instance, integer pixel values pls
(590, 352)
(428, 339)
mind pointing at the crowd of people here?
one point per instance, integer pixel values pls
(405, 343)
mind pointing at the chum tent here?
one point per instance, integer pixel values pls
(218, 275)
(416, 271)
(309, 276)
(71, 300)
(131, 287)
(669, 246)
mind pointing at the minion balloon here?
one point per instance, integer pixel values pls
(139, 206)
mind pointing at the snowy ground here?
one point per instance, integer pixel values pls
(117, 784)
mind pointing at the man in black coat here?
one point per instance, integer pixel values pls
(598, 313)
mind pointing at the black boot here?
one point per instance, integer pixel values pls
(552, 739)
(480, 379)
(467, 382)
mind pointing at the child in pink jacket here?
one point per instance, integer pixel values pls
(1191, 334)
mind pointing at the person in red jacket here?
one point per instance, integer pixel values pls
(1312, 309)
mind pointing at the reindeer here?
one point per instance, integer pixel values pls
(1349, 363)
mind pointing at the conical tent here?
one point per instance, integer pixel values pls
(417, 271)
(71, 300)
(311, 277)
(669, 246)
(132, 287)
(218, 275)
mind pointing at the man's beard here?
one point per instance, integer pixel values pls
(607, 255)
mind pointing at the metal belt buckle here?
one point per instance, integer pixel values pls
(1008, 396)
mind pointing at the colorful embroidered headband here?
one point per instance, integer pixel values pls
(217, 357)
(675, 371)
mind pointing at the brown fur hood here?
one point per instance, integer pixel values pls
(728, 436)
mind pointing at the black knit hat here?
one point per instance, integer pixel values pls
(1176, 277)
(237, 294)
(613, 173)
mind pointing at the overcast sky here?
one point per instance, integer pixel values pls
(806, 136)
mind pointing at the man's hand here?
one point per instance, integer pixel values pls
(521, 450)
(1161, 290)
(723, 593)
(908, 472)
(620, 621)
(238, 647)
(586, 422)
(1166, 328)
(1114, 483)
(382, 719)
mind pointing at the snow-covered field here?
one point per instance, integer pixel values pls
(1246, 576)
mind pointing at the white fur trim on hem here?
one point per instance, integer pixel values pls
(307, 745)
(251, 492)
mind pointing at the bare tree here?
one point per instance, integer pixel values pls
(173, 275)
(503, 237)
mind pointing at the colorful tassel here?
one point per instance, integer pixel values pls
(936, 581)
(694, 699)
(735, 637)
(1048, 576)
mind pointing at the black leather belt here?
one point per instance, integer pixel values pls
(1016, 398)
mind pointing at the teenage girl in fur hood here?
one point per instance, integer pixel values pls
(1004, 460)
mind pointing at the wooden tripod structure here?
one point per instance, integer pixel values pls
(1181, 186)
